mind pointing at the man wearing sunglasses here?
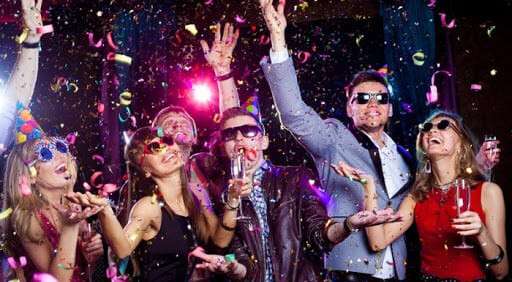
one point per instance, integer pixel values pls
(362, 144)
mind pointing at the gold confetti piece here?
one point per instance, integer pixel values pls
(6, 213)
(418, 58)
(191, 28)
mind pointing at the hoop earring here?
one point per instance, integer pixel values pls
(147, 174)
(427, 168)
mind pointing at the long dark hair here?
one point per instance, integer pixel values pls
(467, 165)
(140, 186)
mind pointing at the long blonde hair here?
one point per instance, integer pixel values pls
(139, 185)
(24, 206)
(467, 166)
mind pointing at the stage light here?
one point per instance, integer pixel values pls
(201, 93)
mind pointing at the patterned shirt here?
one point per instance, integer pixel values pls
(257, 198)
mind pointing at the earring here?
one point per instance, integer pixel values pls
(428, 167)
(147, 174)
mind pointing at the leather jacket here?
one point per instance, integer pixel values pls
(296, 218)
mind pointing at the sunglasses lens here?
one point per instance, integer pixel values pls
(228, 134)
(168, 140)
(383, 98)
(427, 127)
(61, 147)
(363, 98)
(156, 147)
(45, 154)
(443, 124)
(250, 131)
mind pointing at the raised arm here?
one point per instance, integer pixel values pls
(304, 123)
(21, 84)
(219, 57)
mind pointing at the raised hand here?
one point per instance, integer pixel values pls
(32, 18)
(221, 53)
(276, 23)
(351, 173)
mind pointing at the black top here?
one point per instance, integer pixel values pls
(164, 258)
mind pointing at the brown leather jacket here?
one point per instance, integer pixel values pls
(296, 218)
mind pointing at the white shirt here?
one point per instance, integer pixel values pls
(396, 174)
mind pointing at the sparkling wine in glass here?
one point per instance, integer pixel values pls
(463, 203)
(489, 141)
(238, 172)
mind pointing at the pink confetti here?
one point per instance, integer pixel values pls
(476, 87)
(251, 154)
(303, 56)
(71, 138)
(239, 19)
(94, 177)
(432, 95)
(110, 41)
(14, 264)
(25, 186)
(112, 274)
(43, 277)
(44, 29)
(111, 56)
(443, 21)
(432, 3)
(133, 121)
(98, 158)
(90, 37)
(264, 40)
(86, 186)
(101, 108)
(209, 2)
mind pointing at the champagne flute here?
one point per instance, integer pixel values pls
(238, 172)
(463, 203)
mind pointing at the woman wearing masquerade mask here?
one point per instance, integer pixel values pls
(166, 221)
(43, 228)
(446, 151)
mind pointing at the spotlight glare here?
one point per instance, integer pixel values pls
(201, 93)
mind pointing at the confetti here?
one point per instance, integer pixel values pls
(110, 41)
(94, 178)
(98, 158)
(303, 56)
(71, 138)
(239, 19)
(23, 36)
(476, 87)
(229, 258)
(44, 29)
(125, 98)
(418, 58)
(191, 28)
(43, 277)
(14, 264)
(5, 213)
(25, 186)
(90, 38)
(443, 21)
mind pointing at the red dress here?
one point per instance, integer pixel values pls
(438, 256)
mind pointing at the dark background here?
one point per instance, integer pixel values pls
(342, 36)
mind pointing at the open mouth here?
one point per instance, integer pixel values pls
(434, 140)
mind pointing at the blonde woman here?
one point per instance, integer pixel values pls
(42, 227)
(446, 153)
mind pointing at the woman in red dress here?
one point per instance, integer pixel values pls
(445, 150)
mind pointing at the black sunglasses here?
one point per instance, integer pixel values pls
(160, 145)
(364, 98)
(248, 131)
(442, 125)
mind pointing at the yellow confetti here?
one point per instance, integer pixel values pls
(6, 213)
(23, 36)
(191, 28)
(120, 58)
(418, 58)
(125, 98)
(33, 171)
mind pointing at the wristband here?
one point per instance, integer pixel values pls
(496, 260)
(224, 77)
(44, 29)
(27, 45)
(348, 226)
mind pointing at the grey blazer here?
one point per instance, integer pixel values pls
(330, 141)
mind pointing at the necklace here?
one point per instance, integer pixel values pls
(444, 187)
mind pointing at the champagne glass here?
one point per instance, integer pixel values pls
(463, 203)
(238, 172)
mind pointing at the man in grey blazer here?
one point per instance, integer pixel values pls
(362, 144)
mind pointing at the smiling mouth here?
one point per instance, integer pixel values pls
(169, 157)
(435, 141)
